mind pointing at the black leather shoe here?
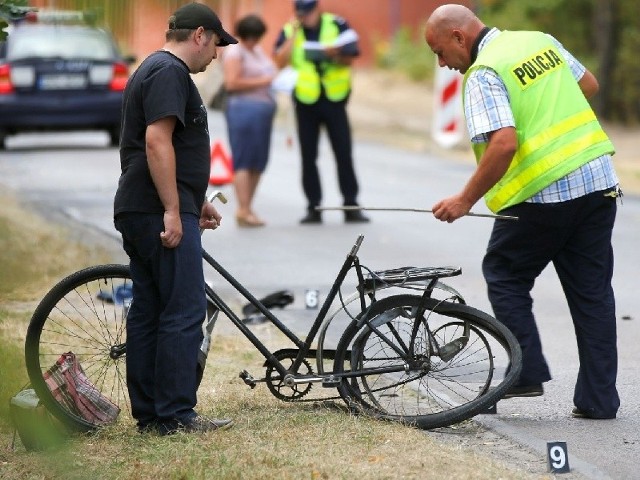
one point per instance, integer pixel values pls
(577, 413)
(197, 424)
(355, 216)
(525, 391)
(200, 424)
(312, 216)
(151, 427)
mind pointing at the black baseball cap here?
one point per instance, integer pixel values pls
(194, 15)
(303, 7)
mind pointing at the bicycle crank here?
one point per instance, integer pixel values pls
(288, 389)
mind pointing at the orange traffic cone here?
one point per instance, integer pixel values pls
(221, 165)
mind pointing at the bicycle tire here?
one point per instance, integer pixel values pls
(425, 390)
(84, 313)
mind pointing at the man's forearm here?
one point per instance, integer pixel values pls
(161, 159)
(493, 164)
(162, 166)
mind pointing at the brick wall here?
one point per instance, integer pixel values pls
(372, 19)
(140, 30)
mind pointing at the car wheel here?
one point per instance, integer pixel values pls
(3, 138)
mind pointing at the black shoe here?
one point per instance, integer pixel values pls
(355, 216)
(197, 424)
(577, 413)
(200, 424)
(151, 427)
(525, 391)
(279, 299)
(312, 216)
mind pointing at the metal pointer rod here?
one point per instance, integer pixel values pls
(420, 210)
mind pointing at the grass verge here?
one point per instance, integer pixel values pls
(33, 256)
(270, 440)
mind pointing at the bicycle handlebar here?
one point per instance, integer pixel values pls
(356, 246)
(211, 197)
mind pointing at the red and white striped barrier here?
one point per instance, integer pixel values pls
(448, 116)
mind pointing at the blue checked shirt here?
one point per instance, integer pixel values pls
(487, 109)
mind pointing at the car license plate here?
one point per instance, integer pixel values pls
(62, 82)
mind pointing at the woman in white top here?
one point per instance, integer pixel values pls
(250, 109)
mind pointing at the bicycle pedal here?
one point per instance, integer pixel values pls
(451, 349)
(247, 378)
(330, 381)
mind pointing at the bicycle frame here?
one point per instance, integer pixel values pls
(304, 346)
(321, 322)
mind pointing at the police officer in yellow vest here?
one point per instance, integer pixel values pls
(320, 47)
(542, 157)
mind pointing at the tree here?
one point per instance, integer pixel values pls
(623, 101)
(11, 10)
(603, 34)
(604, 17)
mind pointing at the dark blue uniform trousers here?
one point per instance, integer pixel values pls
(576, 237)
(310, 119)
(164, 323)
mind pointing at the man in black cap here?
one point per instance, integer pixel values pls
(159, 209)
(321, 47)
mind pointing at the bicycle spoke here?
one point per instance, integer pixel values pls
(426, 388)
(82, 315)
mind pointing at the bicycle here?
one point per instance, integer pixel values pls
(410, 357)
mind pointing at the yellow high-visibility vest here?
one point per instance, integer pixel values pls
(335, 78)
(556, 128)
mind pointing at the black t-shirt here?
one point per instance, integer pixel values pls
(159, 88)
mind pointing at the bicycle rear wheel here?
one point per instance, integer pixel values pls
(85, 314)
(429, 370)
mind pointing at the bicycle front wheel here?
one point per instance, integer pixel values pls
(429, 363)
(84, 314)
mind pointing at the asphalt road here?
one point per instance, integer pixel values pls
(74, 176)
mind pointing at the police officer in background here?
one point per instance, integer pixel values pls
(320, 47)
(544, 158)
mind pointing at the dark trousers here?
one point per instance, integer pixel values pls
(333, 115)
(576, 237)
(164, 323)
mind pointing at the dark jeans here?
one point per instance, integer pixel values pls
(333, 115)
(576, 237)
(164, 324)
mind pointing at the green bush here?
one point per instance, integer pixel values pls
(625, 98)
(404, 54)
(14, 375)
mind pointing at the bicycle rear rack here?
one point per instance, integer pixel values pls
(407, 275)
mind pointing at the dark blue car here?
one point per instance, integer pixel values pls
(60, 77)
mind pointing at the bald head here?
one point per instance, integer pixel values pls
(450, 32)
(452, 16)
